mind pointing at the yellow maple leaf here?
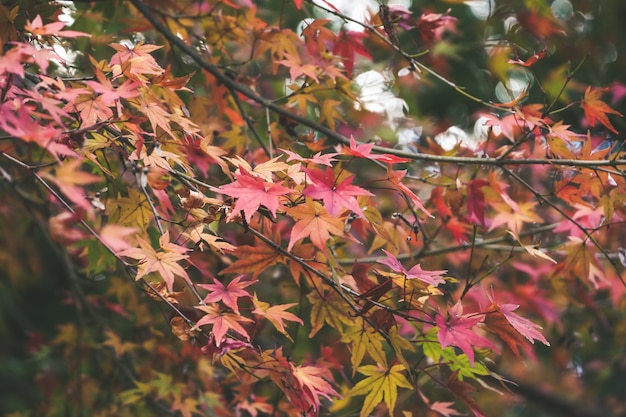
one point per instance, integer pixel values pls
(363, 338)
(381, 385)
(328, 308)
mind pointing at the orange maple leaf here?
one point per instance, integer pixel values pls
(253, 259)
(514, 215)
(297, 68)
(314, 221)
(596, 109)
(276, 314)
(71, 179)
(163, 262)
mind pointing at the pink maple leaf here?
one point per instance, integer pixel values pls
(319, 158)
(36, 27)
(433, 278)
(445, 409)
(525, 327)
(364, 150)
(457, 331)
(335, 196)
(251, 193)
(311, 382)
(228, 294)
(222, 323)
(395, 177)
(111, 95)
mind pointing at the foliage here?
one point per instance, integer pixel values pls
(245, 208)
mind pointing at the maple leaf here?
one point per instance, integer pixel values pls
(187, 407)
(251, 193)
(381, 385)
(432, 26)
(514, 215)
(165, 263)
(328, 308)
(362, 339)
(258, 404)
(364, 150)
(314, 221)
(347, 45)
(134, 61)
(92, 109)
(433, 278)
(319, 158)
(476, 201)
(227, 294)
(276, 314)
(457, 331)
(512, 328)
(312, 382)
(335, 196)
(253, 259)
(461, 390)
(200, 238)
(395, 177)
(297, 68)
(111, 95)
(597, 110)
(222, 323)
(329, 112)
(134, 210)
(530, 61)
(445, 409)
(264, 170)
(70, 179)
(116, 343)
(317, 36)
(36, 27)
(155, 111)
(117, 237)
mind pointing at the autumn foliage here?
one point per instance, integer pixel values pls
(288, 208)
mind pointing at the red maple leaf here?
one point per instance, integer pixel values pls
(596, 109)
(433, 278)
(457, 331)
(347, 45)
(251, 193)
(227, 294)
(335, 196)
(476, 201)
(530, 61)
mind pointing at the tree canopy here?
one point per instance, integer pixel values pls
(312, 207)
